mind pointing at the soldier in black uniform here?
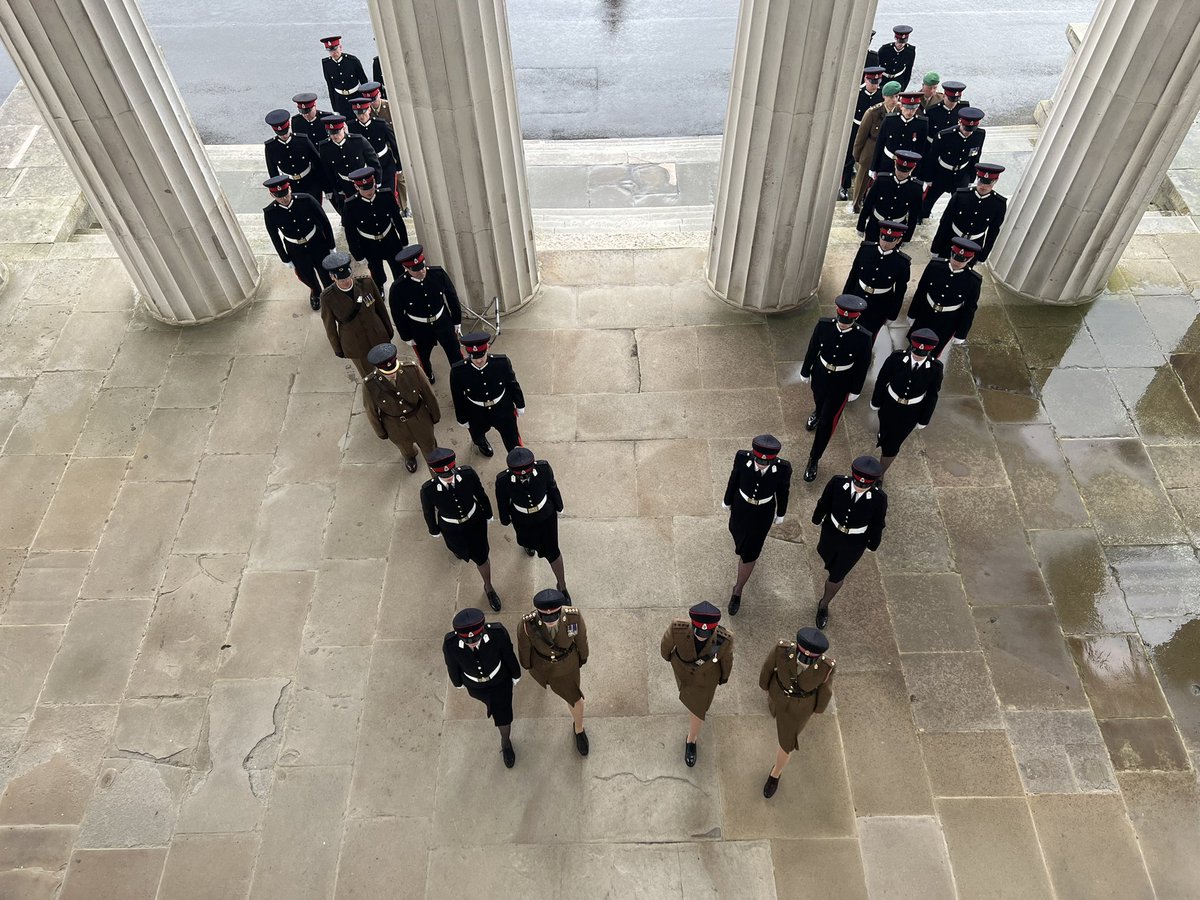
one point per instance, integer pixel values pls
(975, 213)
(479, 657)
(895, 197)
(486, 394)
(308, 120)
(343, 74)
(425, 308)
(377, 75)
(902, 130)
(301, 234)
(953, 156)
(837, 362)
(341, 154)
(945, 114)
(947, 296)
(899, 57)
(869, 93)
(880, 275)
(872, 55)
(381, 137)
(293, 155)
(757, 498)
(852, 513)
(906, 393)
(375, 229)
(457, 507)
(528, 498)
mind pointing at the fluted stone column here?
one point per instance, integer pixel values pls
(796, 67)
(107, 96)
(1124, 107)
(448, 66)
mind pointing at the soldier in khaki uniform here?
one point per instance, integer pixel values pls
(401, 404)
(867, 139)
(798, 680)
(552, 645)
(355, 315)
(701, 655)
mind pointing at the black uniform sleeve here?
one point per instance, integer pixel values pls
(920, 300)
(462, 407)
(377, 75)
(851, 285)
(428, 509)
(822, 507)
(966, 318)
(941, 238)
(878, 522)
(814, 344)
(903, 276)
(276, 240)
(883, 135)
(507, 657)
(389, 134)
(881, 381)
(272, 166)
(396, 304)
(931, 394)
(397, 219)
(993, 231)
(452, 667)
(362, 75)
(354, 241)
(503, 501)
(452, 305)
(784, 489)
(868, 208)
(862, 365)
(481, 496)
(731, 488)
(323, 226)
(552, 487)
(514, 387)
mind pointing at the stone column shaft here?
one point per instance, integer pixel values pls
(1120, 116)
(796, 66)
(103, 87)
(450, 82)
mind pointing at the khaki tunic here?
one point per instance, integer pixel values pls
(864, 151)
(554, 662)
(697, 678)
(933, 100)
(792, 711)
(404, 412)
(354, 327)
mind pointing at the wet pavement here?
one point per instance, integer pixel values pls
(220, 613)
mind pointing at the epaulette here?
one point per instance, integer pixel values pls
(457, 363)
(570, 609)
(788, 644)
(965, 190)
(495, 625)
(866, 331)
(541, 462)
(529, 616)
(681, 625)
(903, 254)
(868, 244)
(825, 319)
(832, 662)
(464, 468)
(724, 632)
(503, 356)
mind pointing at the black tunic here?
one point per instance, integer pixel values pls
(749, 517)
(848, 526)
(466, 502)
(837, 360)
(374, 228)
(950, 162)
(895, 134)
(939, 117)
(342, 77)
(414, 303)
(296, 158)
(315, 130)
(898, 64)
(891, 199)
(945, 301)
(487, 671)
(340, 160)
(538, 530)
(905, 397)
(971, 215)
(483, 395)
(881, 278)
(304, 221)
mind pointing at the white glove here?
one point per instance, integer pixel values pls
(779, 520)
(460, 686)
(869, 550)
(458, 329)
(908, 320)
(872, 174)
(491, 519)
(919, 427)
(520, 411)
(290, 265)
(515, 680)
(853, 397)
(724, 506)
(412, 344)
(805, 379)
(958, 340)
(874, 407)
(464, 424)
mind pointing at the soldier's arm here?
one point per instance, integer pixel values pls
(371, 158)
(481, 497)
(381, 311)
(362, 76)
(989, 240)
(822, 506)
(509, 659)
(274, 233)
(868, 208)
(581, 643)
(881, 383)
(966, 318)
(398, 220)
(396, 302)
(810, 355)
(725, 660)
(323, 225)
(514, 387)
(452, 305)
(462, 407)
(864, 132)
(503, 501)
(452, 668)
(731, 487)
(862, 367)
(373, 415)
(272, 166)
(878, 523)
(825, 691)
(331, 330)
(768, 671)
(354, 240)
(427, 394)
(920, 297)
(931, 395)
(875, 160)
(524, 654)
(783, 492)
(427, 508)
(390, 135)
(552, 489)
(667, 644)
(903, 276)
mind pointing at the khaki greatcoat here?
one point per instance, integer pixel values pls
(697, 676)
(405, 411)
(864, 151)
(356, 322)
(811, 689)
(554, 662)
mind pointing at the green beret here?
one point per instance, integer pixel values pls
(891, 89)
(931, 78)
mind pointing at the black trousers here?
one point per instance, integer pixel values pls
(896, 423)
(429, 336)
(308, 266)
(830, 399)
(375, 266)
(503, 419)
(848, 168)
(947, 184)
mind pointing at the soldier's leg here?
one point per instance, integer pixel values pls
(781, 760)
(885, 463)
(375, 267)
(744, 571)
(478, 431)
(932, 193)
(450, 344)
(425, 344)
(577, 715)
(402, 437)
(506, 425)
(695, 723)
(829, 413)
(559, 573)
(401, 190)
(363, 368)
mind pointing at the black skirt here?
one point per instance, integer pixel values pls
(839, 553)
(496, 697)
(468, 542)
(896, 423)
(749, 526)
(540, 535)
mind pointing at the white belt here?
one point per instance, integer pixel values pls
(834, 368)
(843, 529)
(875, 290)
(346, 93)
(888, 153)
(858, 121)
(383, 152)
(483, 680)
(530, 510)
(428, 321)
(754, 502)
(941, 309)
(304, 240)
(960, 233)
(903, 401)
(344, 177)
(893, 74)
(298, 175)
(946, 165)
(488, 404)
(883, 217)
(377, 237)
(459, 521)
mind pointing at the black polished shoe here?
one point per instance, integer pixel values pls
(810, 474)
(843, 194)
(689, 753)
(411, 464)
(510, 756)
(432, 378)
(493, 600)
(314, 300)
(486, 449)
(581, 742)
(822, 617)
(811, 424)
(770, 787)
(529, 552)
(735, 603)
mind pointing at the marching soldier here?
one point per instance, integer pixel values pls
(375, 229)
(381, 109)
(867, 140)
(798, 680)
(354, 313)
(701, 655)
(425, 308)
(894, 197)
(341, 154)
(757, 498)
(899, 57)
(293, 155)
(947, 296)
(905, 131)
(930, 95)
(301, 234)
(880, 274)
(527, 497)
(975, 213)
(837, 362)
(868, 95)
(851, 513)
(486, 394)
(872, 55)
(479, 657)
(343, 74)
(944, 114)
(377, 74)
(308, 120)
(906, 393)
(401, 405)
(552, 645)
(381, 137)
(954, 153)
(457, 508)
